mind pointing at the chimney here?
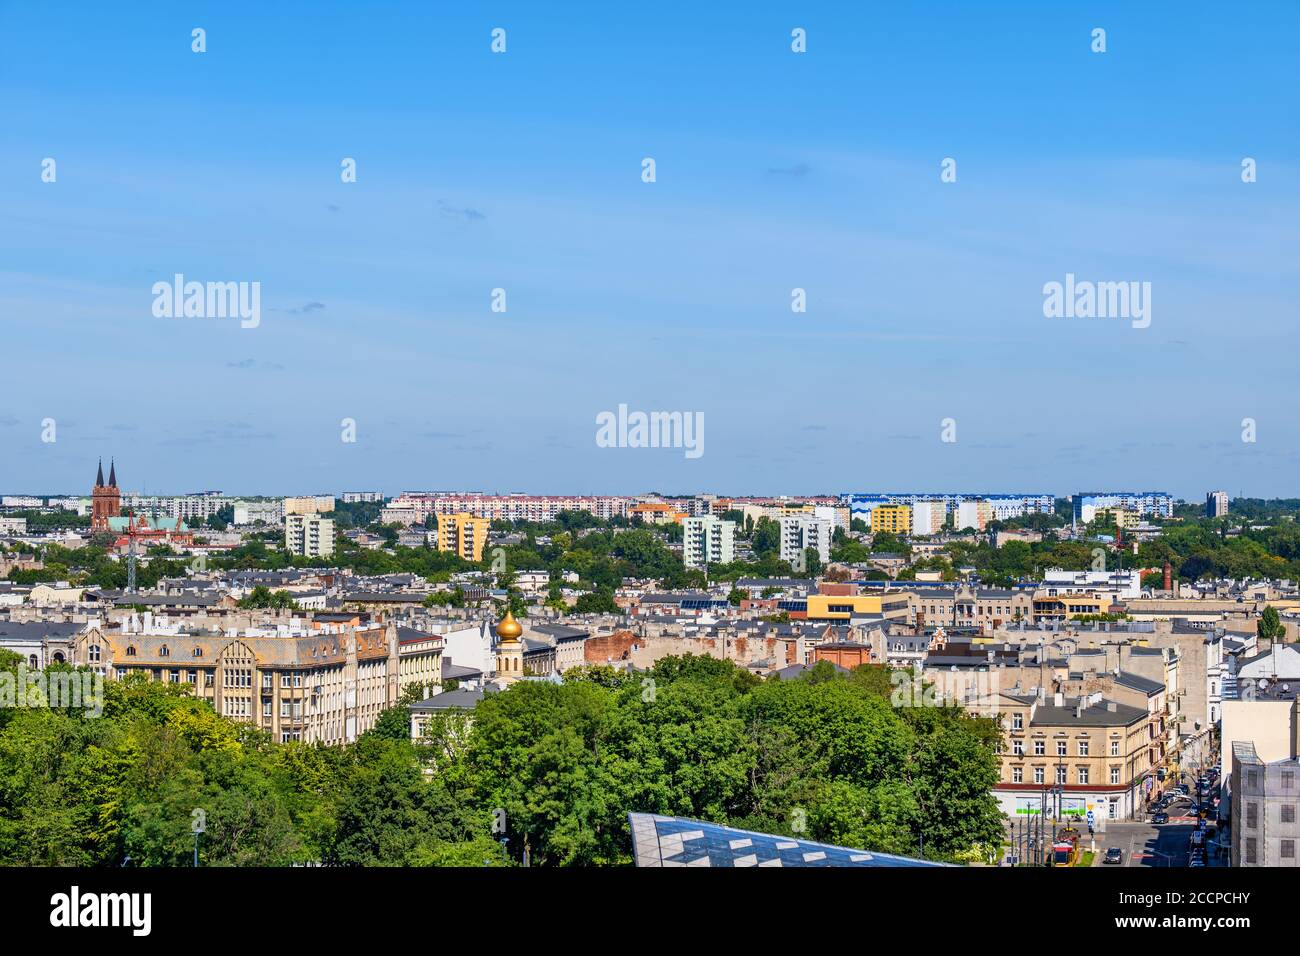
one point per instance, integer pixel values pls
(1059, 699)
(1168, 575)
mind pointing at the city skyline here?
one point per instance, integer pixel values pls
(371, 487)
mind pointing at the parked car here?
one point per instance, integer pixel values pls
(1113, 855)
(1159, 817)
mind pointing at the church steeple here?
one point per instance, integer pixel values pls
(106, 500)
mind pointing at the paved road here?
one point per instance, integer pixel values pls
(1146, 844)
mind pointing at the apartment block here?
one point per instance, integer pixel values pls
(358, 497)
(462, 534)
(1266, 794)
(1159, 504)
(309, 535)
(309, 505)
(708, 540)
(1216, 504)
(928, 517)
(801, 532)
(973, 514)
(895, 519)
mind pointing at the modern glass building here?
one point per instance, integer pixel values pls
(677, 841)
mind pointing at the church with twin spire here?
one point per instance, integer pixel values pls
(105, 499)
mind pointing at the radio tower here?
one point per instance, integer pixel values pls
(130, 552)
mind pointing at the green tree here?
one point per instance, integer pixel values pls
(1269, 626)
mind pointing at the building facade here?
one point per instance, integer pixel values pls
(1216, 504)
(1265, 807)
(309, 535)
(105, 498)
(326, 685)
(895, 519)
(463, 535)
(801, 532)
(708, 540)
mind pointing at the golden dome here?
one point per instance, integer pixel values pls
(509, 629)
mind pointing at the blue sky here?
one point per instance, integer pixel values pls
(775, 171)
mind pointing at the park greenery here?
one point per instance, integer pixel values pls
(826, 757)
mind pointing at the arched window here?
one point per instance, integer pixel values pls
(198, 652)
(33, 663)
(164, 651)
(130, 650)
(58, 657)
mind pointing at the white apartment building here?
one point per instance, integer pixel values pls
(358, 497)
(21, 501)
(194, 508)
(800, 532)
(973, 514)
(309, 535)
(928, 517)
(403, 514)
(252, 512)
(512, 507)
(708, 540)
(1124, 584)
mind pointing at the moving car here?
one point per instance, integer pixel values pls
(1160, 817)
(1113, 855)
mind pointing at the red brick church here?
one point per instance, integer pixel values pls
(105, 500)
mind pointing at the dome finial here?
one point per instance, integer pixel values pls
(509, 629)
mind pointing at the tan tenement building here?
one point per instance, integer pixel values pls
(1101, 754)
(328, 685)
(962, 606)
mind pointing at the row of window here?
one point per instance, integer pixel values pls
(1252, 814)
(982, 609)
(1040, 748)
(1062, 775)
(1286, 849)
(163, 651)
(1288, 779)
